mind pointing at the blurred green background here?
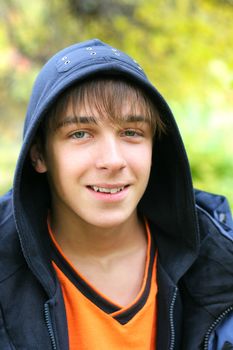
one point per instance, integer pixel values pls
(184, 46)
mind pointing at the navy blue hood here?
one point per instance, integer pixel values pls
(168, 202)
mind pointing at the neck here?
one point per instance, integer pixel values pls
(78, 238)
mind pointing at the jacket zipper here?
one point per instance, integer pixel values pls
(171, 318)
(49, 325)
(213, 325)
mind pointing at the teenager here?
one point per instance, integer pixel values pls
(102, 243)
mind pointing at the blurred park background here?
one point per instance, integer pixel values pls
(185, 47)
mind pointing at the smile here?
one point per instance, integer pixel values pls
(107, 190)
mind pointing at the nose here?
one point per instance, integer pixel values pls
(110, 155)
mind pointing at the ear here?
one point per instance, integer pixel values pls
(37, 159)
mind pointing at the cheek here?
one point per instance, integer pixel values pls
(146, 161)
(59, 165)
(141, 160)
(146, 166)
(146, 154)
(68, 164)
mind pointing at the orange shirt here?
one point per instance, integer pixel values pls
(95, 322)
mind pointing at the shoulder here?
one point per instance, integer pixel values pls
(210, 277)
(11, 258)
(214, 213)
(208, 284)
(216, 232)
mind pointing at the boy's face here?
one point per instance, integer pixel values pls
(97, 172)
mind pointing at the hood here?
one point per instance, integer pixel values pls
(168, 202)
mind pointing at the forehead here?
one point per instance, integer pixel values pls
(103, 99)
(90, 115)
(103, 110)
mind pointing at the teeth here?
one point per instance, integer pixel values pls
(107, 190)
(114, 190)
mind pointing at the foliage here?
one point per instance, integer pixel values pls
(183, 45)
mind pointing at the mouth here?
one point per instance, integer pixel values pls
(108, 190)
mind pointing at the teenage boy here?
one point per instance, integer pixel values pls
(102, 245)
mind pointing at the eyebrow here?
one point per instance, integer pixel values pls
(69, 120)
(136, 118)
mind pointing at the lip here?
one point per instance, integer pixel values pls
(109, 197)
(110, 186)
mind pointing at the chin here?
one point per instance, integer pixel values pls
(109, 221)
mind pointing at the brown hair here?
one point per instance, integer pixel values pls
(105, 95)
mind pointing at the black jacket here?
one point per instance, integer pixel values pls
(195, 252)
(189, 311)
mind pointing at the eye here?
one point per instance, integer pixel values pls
(131, 133)
(80, 134)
